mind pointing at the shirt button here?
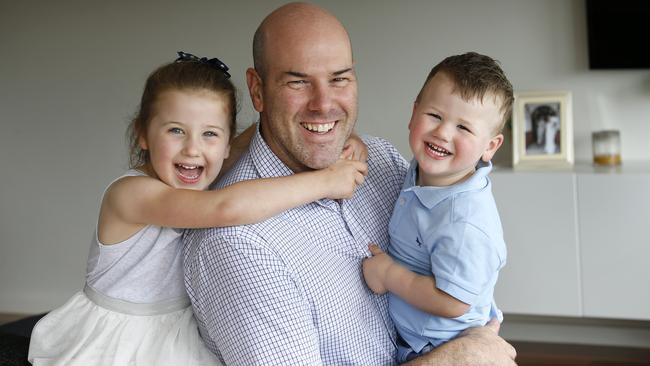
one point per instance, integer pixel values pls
(402, 201)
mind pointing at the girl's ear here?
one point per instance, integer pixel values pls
(142, 142)
(254, 82)
(492, 148)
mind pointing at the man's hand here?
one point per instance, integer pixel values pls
(480, 346)
(375, 269)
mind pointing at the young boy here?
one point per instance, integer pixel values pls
(446, 245)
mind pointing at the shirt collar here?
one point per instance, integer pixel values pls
(265, 161)
(430, 196)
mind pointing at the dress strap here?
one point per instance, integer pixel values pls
(132, 308)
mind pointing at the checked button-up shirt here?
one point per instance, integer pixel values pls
(290, 290)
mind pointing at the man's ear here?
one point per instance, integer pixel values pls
(492, 148)
(254, 82)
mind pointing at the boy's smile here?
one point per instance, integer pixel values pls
(448, 135)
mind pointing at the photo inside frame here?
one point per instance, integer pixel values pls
(542, 133)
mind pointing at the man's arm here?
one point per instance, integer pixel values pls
(247, 303)
(479, 346)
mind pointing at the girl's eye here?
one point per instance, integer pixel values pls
(210, 134)
(175, 130)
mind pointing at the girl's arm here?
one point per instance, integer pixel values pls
(383, 274)
(133, 202)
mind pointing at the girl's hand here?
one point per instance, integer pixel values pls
(375, 269)
(355, 149)
(343, 177)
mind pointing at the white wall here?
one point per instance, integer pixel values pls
(71, 73)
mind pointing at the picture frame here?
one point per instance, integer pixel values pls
(537, 115)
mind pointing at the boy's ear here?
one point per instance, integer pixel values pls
(494, 145)
(254, 82)
(415, 105)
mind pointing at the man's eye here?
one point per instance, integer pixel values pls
(342, 81)
(297, 84)
(175, 130)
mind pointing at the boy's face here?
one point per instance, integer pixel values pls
(449, 135)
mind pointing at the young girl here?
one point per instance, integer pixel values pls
(133, 309)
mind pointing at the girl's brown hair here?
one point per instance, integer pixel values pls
(180, 75)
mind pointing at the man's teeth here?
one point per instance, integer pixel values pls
(318, 127)
(438, 150)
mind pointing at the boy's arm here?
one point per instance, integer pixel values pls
(383, 274)
(145, 200)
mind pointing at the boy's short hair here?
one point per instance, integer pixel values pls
(475, 75)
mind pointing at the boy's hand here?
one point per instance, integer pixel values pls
(355, 149)
(375, 269)
(343, 177)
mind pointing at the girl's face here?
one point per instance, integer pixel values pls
(187, 138)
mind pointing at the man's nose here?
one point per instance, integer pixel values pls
(321, 97)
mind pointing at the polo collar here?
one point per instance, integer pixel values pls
(430, 196)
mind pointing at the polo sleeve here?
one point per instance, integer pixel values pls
(247, 304)
(464, 261)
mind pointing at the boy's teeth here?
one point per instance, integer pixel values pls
(318, 127)
(438, 150)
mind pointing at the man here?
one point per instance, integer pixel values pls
(289, 290)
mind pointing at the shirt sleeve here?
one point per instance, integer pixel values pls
(464, 262)
(247, 304)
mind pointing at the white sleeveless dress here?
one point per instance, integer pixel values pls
(133, 309)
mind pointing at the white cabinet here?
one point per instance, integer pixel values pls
(538, 214)
(578, 242)
(614, 219)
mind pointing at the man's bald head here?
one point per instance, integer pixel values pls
(291, 22)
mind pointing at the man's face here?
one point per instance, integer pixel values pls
(308, 99)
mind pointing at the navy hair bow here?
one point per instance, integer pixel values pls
(214, 62)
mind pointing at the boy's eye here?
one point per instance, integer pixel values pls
(464, 128)
(436, 116)
(175, 130)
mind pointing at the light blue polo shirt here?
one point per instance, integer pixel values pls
(453, 233)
